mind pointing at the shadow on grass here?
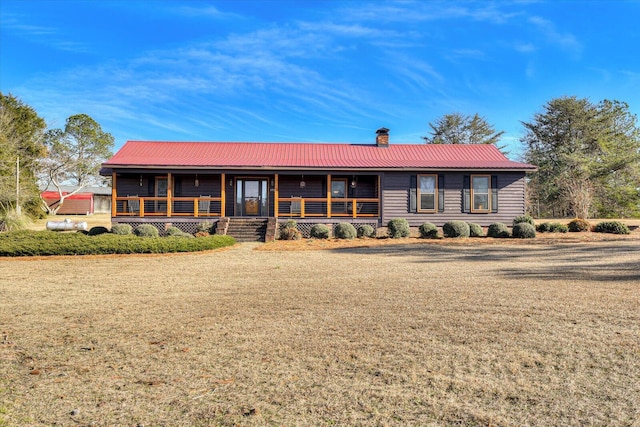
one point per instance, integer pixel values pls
(597, 262)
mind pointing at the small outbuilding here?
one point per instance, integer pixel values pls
(91, 200)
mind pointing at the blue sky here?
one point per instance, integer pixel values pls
(316, 71)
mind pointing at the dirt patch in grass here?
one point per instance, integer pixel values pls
(393, 334)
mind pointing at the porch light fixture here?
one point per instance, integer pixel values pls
(273, 183)
(353, 182)
(140, 180)
(197, 181)
(302, 183)
(230, 182)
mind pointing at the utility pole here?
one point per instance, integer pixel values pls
(18, 208)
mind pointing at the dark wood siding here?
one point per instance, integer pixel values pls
(396, 201)
(208, 185)
(129, 185)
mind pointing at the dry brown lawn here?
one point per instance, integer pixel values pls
(410, 333)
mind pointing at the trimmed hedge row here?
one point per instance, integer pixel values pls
(45, 243)
(613, 227)
(398, 228)
(455, 229)
(577, 225)
(344, 230)
(524, 230)
(552, 227)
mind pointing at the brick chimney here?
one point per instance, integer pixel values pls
(382, 137)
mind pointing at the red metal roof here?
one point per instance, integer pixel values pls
(53, 195)
(233, 155)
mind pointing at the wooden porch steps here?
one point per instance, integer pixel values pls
(247, 229)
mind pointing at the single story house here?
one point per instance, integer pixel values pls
(183, 183)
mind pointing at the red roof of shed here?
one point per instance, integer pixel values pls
(229, 155)
(53, 195)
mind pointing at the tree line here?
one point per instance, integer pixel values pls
(587, 154)
(34, 157)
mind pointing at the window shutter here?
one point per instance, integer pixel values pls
(494, 193)
(151, 186)
(440, 193)
(177, 186)
(413, 196)
(466, 193)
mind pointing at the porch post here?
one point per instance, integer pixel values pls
(223, 194)
(379, 198)
(114, 195)
(275, 196)
(169, 193)
(328, 196)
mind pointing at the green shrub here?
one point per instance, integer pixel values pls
(524, 218)
(366, 231)
(204, 227)
(96, 231)
(577, 225)
(613, 227)
(289, 230)
(498, 230)
(475, 230)
(290, 234)
(455, 229)
(173, 231)
(524, 230)
(45, 243)
(543, 227)
(290, 223)
(146, 230)
(121, 229)
(428, 230)
(320, 231)
(176, 232)
(556, 227)
(344, 230)
(398, 227)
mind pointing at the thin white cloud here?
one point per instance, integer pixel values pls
(12, 23)
(564, 40)
(44, 35)
(525, 47)
(421, 11)
(206, 11)
(469, 53)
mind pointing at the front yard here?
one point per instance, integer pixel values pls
(437, 332)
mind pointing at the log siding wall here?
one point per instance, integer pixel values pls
(395, 192)
(396, 188)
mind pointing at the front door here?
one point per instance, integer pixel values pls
(162, 184)
(252, 197)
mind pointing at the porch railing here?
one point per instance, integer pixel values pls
(159, 206)
(303, 207)
(288, 207)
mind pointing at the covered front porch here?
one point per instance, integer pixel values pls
(192, 195)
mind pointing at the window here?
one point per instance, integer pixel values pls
(480, 193)
(427, 188)
(426, 193)
(339, 188)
